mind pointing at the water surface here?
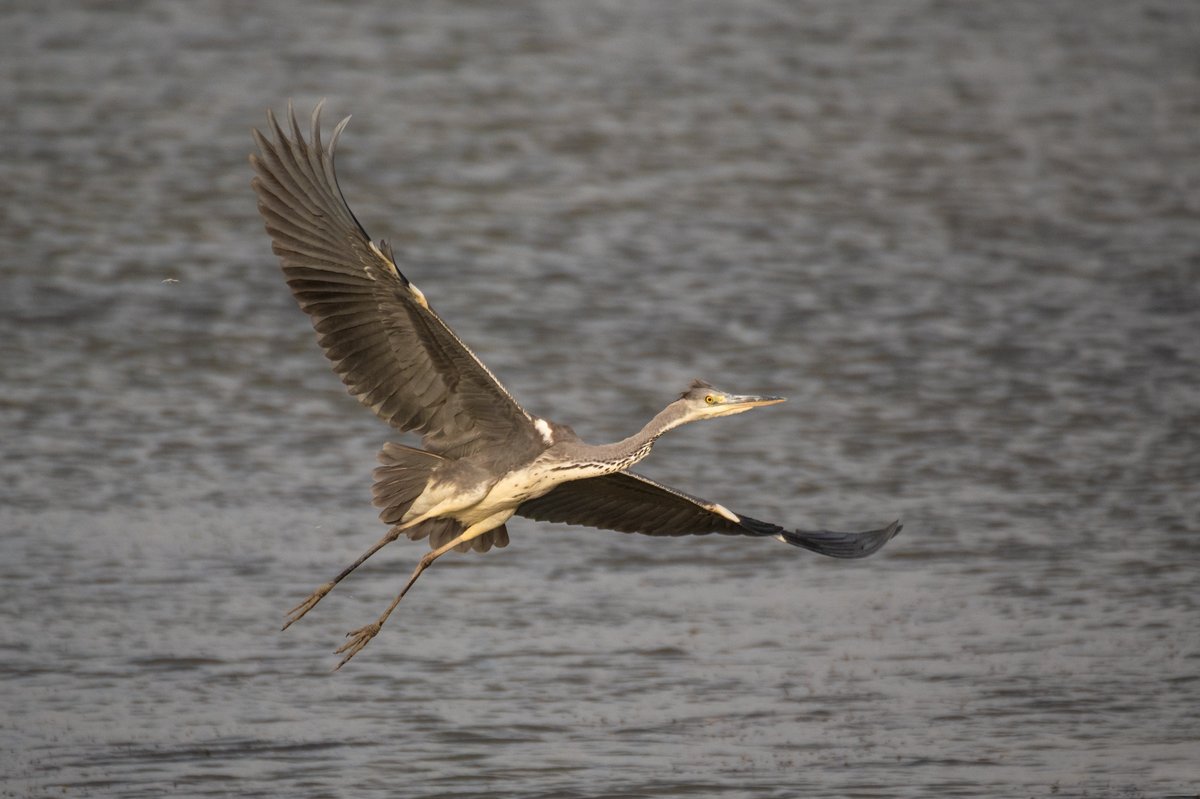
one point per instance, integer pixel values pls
(962, 239)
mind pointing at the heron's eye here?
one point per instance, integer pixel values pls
(710, 399)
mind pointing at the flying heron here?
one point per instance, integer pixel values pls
(484, 457)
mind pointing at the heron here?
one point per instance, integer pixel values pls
(483, 457)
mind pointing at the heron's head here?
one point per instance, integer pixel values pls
(703, 401)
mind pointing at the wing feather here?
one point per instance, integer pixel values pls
(629, 503)
(393, 352)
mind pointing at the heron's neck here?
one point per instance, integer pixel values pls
(629, 451)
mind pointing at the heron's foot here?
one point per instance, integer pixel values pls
(358, 639)
(297, 613)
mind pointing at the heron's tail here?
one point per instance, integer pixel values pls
(442, 531)
(401, 479)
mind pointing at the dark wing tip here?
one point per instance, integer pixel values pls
(840, 545)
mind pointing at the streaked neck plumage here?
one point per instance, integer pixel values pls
(628, 451)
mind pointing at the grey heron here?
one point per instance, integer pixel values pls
(484, 458)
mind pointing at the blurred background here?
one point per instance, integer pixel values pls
(963, 239)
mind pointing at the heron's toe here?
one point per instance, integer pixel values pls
(295, 614)
(358, 639)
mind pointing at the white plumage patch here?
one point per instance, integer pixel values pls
(418, 295)
(721, 510)
(543, 427)
(382, 257)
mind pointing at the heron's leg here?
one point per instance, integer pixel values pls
(297, 613)
(362, 636)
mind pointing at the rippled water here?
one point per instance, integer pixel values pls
(964, 239)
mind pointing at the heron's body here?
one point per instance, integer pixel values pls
(483, 458)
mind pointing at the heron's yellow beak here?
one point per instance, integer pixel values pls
(756, 401)
(740, 403)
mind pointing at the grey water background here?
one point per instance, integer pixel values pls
(963, 238)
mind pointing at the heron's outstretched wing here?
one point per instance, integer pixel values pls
(630, 503)
(389, 347)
